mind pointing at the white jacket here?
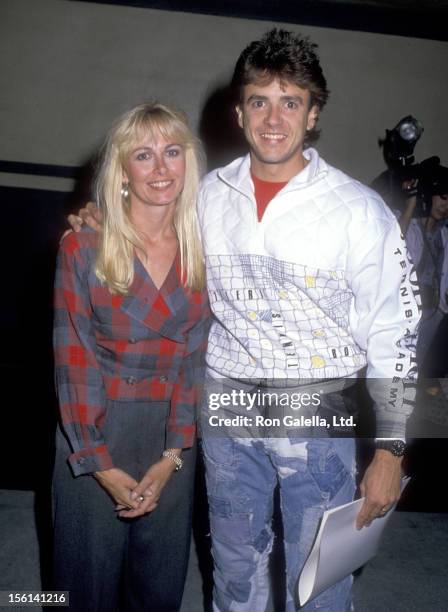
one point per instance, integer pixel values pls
(320, 288)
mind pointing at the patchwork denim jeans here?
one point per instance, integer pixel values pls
(314, 474)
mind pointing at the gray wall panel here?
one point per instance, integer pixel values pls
(69, 68)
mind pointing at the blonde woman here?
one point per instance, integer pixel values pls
(131, 322)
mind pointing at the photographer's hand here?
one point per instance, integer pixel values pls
(408, 187)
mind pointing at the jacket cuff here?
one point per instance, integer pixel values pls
(90, 460)
(181, 437)
(396, 431)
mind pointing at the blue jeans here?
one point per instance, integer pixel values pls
(314, 474)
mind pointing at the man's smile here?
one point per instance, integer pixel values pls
(272, 136)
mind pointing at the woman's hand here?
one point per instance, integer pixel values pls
(120, 486)
(150, 488)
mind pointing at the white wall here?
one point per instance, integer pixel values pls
(67, 69)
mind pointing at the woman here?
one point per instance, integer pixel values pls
(131, 322)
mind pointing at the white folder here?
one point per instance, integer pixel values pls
(339, 548)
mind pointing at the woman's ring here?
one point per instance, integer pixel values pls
(141, 498)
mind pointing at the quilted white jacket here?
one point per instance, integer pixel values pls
(320, 288)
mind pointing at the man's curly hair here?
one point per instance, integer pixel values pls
(282, 55)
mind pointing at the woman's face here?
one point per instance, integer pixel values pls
(155, 172)
(439, 208)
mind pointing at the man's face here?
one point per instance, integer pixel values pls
(275, 119)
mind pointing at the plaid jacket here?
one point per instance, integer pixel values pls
(148, 345)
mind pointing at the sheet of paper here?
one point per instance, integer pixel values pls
(339, 548)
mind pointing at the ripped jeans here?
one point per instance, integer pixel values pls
(314, 474)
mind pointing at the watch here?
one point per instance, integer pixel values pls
(174, 458)
(396, 447)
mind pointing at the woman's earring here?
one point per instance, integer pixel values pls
(125, 190)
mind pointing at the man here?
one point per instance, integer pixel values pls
(308, 280)
(305, 270)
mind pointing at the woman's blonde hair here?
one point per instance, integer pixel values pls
(115, 261)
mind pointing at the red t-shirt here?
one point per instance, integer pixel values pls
(264, 192)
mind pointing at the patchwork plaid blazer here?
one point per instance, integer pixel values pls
(146, 346)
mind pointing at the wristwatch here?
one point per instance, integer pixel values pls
(174, 458)
(396, 447)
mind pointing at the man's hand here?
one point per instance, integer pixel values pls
(90, 215)
(381, 486)
(148, 490)
(119, 485)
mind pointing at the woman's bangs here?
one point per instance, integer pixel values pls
(150, 127)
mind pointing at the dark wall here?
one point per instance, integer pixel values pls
(32, 225)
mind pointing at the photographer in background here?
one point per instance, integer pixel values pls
(417, 194)
(423, 223)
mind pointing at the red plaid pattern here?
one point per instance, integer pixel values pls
(146, 346)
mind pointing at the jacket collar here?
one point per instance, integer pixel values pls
(237, 173)
(158, 309)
